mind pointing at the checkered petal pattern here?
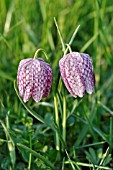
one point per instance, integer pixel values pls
(77, 73)
(34, 79)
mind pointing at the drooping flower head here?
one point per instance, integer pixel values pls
(77, 73)
(34, 79)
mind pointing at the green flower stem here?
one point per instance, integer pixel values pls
(57, 122)
(37, 51)
(30, 155)
(68, 48)
(64, 49)
(111, 131)
(55, 97)
(64, 119)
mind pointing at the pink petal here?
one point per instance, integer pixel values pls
(25, 79)
(48, 78)
(73, 74)
(87, 73)
(63, 74)
(39, 80)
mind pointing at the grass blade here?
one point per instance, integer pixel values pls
(91, 165)
(89, 43)
(60, 35)
(57, 122)
(11, 145)
(37, 155)
(102, 160)
(98, 131)
(105, 107)
(72, 165)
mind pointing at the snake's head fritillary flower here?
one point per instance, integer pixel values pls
(34, 79)
(77, 73)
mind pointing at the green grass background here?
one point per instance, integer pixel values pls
(28, 25)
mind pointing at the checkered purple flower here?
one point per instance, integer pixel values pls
(34, 79)
(77, 73)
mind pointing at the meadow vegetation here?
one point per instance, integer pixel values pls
(32, 135)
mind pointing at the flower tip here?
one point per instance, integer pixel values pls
(81, 95)
(25, 100)
(89, 92)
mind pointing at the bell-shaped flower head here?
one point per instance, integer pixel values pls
(77, 73)
(34, 78)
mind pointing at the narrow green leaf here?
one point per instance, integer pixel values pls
(72, 165)
(106, 108)
(88, 43)
(60, 35)
(37, 155)
(98, 131)
(10, 143)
